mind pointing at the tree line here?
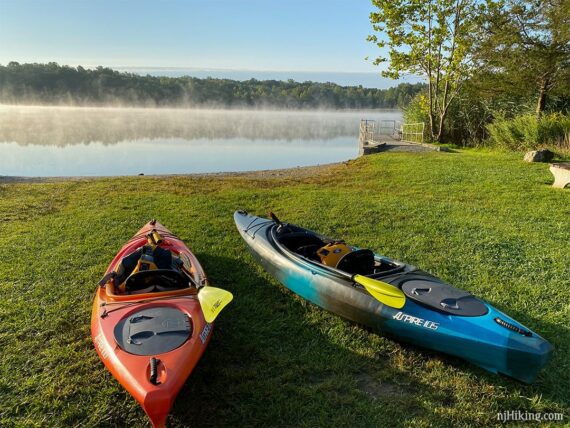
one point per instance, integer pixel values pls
(59, 84)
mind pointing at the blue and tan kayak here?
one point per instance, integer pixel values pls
(393, 297)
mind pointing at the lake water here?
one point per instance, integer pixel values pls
(69, 141)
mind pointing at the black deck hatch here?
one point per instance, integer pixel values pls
(443, 297)
(153, 331)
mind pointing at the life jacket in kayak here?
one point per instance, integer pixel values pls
(331, 253)
(345, 258)
(148, 257)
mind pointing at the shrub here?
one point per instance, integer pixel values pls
(526, 132)
(417, 111)
(466, 121)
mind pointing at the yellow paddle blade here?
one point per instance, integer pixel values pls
(382, 291)
(213, 300)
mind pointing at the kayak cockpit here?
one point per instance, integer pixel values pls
(124, 282)
(417, 285)
(112, 293)
(352, 261)
(154, 267)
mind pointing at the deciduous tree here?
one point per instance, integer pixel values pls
(431, 38)
(525, 46)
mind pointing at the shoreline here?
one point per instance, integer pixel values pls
(294, 172)
(206, 107)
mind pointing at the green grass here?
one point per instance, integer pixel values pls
(486, 222)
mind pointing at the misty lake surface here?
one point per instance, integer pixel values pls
(79, 141)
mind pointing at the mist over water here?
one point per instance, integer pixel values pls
(72, 141)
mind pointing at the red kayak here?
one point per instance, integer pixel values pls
(152, 317)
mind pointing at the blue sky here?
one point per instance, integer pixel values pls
(265, 36)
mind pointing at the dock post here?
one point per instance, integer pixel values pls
(365, 135)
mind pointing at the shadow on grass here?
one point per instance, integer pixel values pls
(267, 364)
(449, 149)
(277, 360)
(271, 363)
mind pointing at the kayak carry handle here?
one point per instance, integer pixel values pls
(154, 238)
(154, 371)
(512, 327)
(276, 221)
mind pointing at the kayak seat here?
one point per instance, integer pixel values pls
(156, 280)
(302, 243)
(162, 258)
(359, 262)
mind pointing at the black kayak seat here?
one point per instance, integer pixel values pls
(359, 262)
(431, 292)
(162, 258)
(148, 281)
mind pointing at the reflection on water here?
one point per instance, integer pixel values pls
(170, 156)
(62, 141)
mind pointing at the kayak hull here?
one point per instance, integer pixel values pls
(174, 366)
(478, 339)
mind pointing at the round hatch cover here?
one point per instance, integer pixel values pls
(153, 331)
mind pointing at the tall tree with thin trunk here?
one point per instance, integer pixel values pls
(430, 38)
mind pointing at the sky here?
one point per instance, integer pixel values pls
(304, 40)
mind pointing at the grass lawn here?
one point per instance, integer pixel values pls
(487, 222)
